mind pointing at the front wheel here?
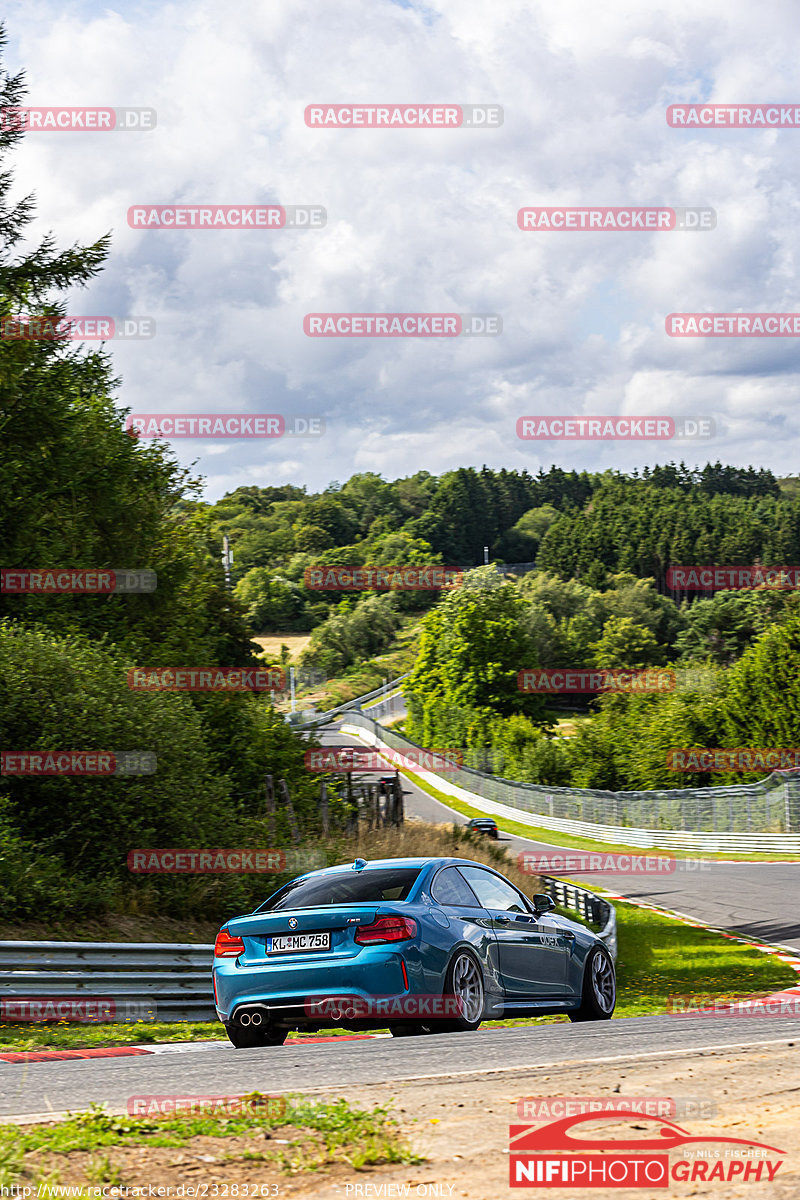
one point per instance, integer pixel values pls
(599, 995)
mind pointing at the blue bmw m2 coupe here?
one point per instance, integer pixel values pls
(415, 945)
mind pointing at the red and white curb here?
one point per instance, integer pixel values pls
(35, 1056)
(790, 958)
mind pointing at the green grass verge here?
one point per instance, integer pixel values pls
(540, 834)
(659, 957)
(314, 1135)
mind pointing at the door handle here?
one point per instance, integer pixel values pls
(502, 920)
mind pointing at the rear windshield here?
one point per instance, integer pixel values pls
(391, 883)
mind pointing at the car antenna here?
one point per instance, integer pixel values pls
(359, 864)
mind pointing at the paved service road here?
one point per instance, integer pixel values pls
(755, 899)
(209, 1068)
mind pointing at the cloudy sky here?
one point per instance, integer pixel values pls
(424, 221)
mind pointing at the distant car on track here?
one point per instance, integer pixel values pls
(484, 825)
(418, 945)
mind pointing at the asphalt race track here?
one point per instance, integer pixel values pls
(755, 899)
(751, 898)
(212, 1068)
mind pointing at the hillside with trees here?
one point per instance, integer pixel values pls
(80, 493)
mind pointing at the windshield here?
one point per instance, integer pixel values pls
(370, 887)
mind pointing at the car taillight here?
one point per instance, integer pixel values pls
(226, 946)
(386, 929)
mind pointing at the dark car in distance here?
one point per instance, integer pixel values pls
(483, 825)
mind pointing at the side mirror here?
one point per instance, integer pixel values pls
(543, 904)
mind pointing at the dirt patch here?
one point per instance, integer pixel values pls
(271, 643)
(204, 1161)
(462, 1126)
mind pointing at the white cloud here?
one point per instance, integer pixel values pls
(426, 221)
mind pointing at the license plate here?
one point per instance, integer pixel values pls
(289, 943)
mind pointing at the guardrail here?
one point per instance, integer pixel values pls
(355, 703)
(589, 906)
(150, 981)
(744, 818)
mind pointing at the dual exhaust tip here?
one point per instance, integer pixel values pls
(255, 1017)
(252, 1017)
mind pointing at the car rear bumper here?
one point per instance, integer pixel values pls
(300, 986)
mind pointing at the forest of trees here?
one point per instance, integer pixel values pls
(78, 492)
(734, 658)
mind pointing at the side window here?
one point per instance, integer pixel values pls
(449, 887)
(494, 892)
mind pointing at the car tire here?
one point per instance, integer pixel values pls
(599, 994)
(246, 1037)
(464, 978)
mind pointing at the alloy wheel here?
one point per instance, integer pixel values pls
(603, 984)
(468, 986)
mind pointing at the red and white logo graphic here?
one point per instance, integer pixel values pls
(553, 1155)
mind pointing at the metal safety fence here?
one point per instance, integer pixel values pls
(115, 981)
(352, 705)
(766, 812)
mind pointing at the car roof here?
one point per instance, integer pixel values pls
(410, 863)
